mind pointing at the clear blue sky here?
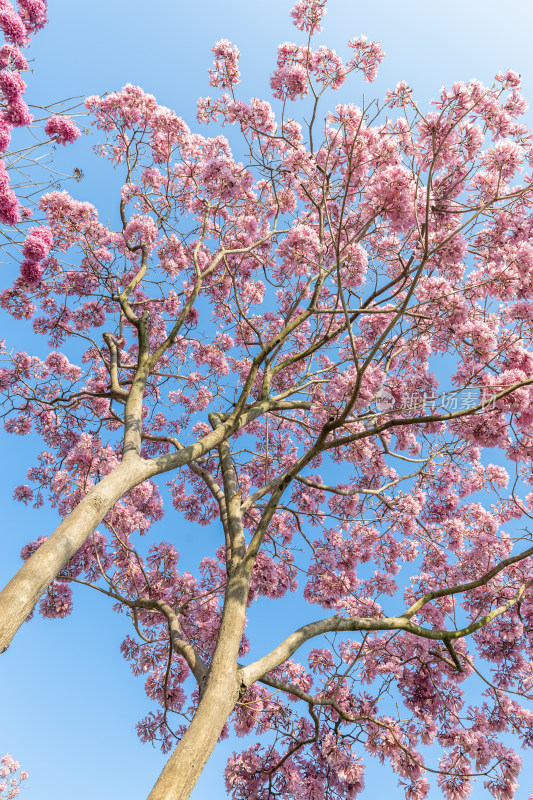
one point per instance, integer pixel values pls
(69, 703)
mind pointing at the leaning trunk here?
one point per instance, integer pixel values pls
(186, 763)
(222, 691)
(18, 598)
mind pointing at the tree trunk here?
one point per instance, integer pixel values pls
(188, 760)
(222, 692)
(18, 598)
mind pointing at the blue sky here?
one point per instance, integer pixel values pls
(69, 703)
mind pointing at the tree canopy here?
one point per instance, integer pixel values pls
(315, 343)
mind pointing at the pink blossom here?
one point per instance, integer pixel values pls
(142, 230)
(37, 244)
(62, 130)
(130, 107)
(392, 192)
(225, 179)
(11, 85)
(68, 218)
(300, 250)
(23, 493)
(10, 788)
(19, 425)
(12, 25)
(59, 365)
(320, 660)
(16, 113)
(10, 56)
(504, 158)
(399, 96)
(57, 602)
(509, 79)
(307, 15)
(367, 57)
(289, 82)
(33, 13)
(31, 272)
(226, 70)
(9, 207)
(5, 135)
(327, 67)
(91, 314)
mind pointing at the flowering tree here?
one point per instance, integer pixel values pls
(316, 347)
(11, 777)
(17, 27)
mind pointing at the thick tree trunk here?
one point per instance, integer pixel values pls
(188, 760)
(18, 598)
(218, 700)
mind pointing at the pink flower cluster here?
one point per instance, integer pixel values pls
(9, 207)
(290, 79)
(142, 230)
(296, 64)
(367, 57)
(289, 82)
(509, 80)
(13, 26)
(254, 116)
(11, 85)
(399, 96)
(36, 247)
(15, 112)
(224, 179)
(11, 776)
(62, 130)
(393, 193)
(10, 56)
(226, 66)
(33, 14)
(131, 109)
(300, 251)
(69, 219)
(504, 159)
(16, 27)
(327, 67)
(307, 15)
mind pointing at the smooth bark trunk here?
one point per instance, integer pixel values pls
(188, 760)
(19, 597)
(222, 691)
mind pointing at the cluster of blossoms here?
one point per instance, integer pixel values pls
(18, 26)
(307, 15)
(35, 249)
(62, 130)
(367, 57)
(298, 66)
(225, 73)
(11, 776)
